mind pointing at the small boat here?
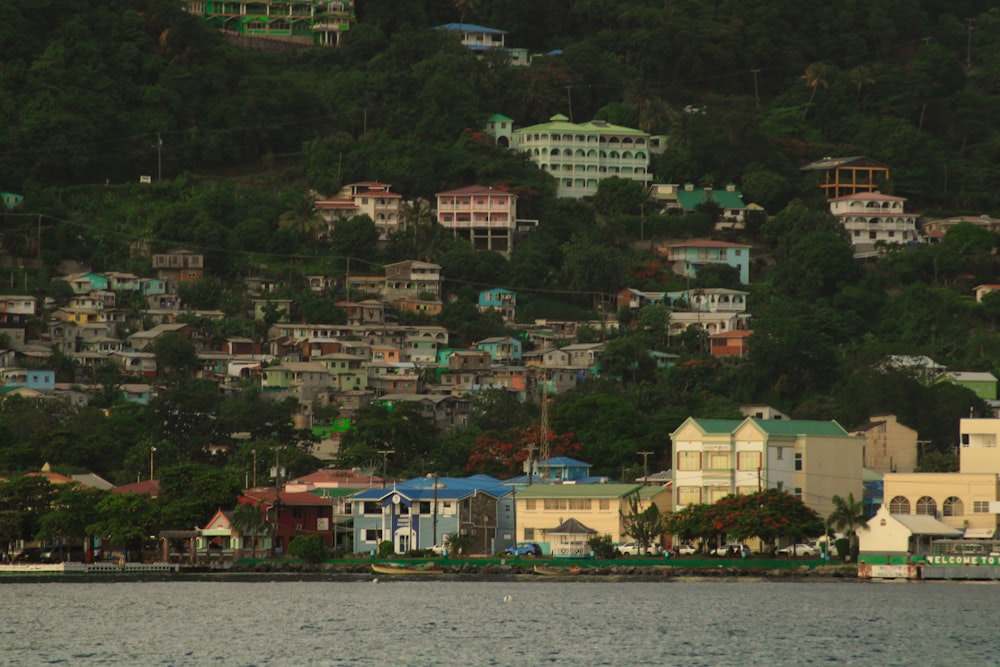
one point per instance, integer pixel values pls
(395, 568)
(553, 571)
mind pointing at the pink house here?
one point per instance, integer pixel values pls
(483, 216)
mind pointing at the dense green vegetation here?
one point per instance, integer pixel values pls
(95, 93)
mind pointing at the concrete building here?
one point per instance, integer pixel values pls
(812, 460)
(485, 217)
(889, 445)
(580, 155)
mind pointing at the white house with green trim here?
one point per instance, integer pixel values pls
(812, 460)
(579, 155)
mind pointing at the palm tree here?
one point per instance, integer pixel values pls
(847, 514)
(250, 522)
(815, 78)
(861, 77)
(464, 6)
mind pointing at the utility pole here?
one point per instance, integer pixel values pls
(152, 452)
(159, 158)
(385, 462)
(645, 466)
(435, 522)
(531, 450)
(569, 99)
(756, 95)
(968, 44)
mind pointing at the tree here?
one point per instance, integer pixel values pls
(126, 520)
(458, 543)
(504, 453)
(251, 523)
(645, 526)
(848, 513)
(72, 510)
(619, 196)
(175, 355)
(309, 548)
(815, 78)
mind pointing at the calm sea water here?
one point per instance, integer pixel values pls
(449, 623)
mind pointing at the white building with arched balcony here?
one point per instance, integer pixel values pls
(873, 219)
(579, 155)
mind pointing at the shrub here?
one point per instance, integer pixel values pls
(386, 549)
(309, 548)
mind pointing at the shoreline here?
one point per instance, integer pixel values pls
(459, 571)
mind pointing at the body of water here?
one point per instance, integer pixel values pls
(523, 622)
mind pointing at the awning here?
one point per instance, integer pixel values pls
(979, 533)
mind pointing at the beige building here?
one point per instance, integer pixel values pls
(968, 499)
(889, 445)
(541, 508)
(812, 460)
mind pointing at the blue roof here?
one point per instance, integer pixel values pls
(470, 27)
(455, 488)
(562, 461)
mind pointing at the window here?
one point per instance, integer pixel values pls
(927, 505)
(798, 460)
(688, 495)
(965, 439)
(981, 507)
(373, 535)
(899, 505)
(780, 453)
(689, 460)
(748, 461)
(798, 493)
(554, 504)
(952, 507)
(780, 486)
(297, 512)
(372, 508)
(529, 504)
(604, 504)
(719, 461)
(529, 533)
(579, 504)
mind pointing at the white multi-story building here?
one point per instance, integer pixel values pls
(872, 218)
(579, 155)
(485, 217)
(812, 460)
(369, 198)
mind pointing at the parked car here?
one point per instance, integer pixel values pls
(731, 550)
(527, 549)
(685, 550)
(799, 550)
(633, 549)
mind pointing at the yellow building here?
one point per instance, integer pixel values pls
(812, 460)
(968, 499)
(541, 508)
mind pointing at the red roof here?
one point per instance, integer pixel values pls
(706, 243)
(735, 333)
(475, 190)
(869, 196)
(266, 496)
(149, 487)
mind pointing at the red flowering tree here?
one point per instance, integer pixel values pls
(766, 515)
(503, 454)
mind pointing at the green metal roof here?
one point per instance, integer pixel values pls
(649, 492)
(577, 490)
(718, 425)
(561, 124)
(800, 427)
(774, 426)
(336, 492)
(725, 199)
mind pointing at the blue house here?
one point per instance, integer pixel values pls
(39, 380)
(502, 349)
(688, 257)
(420, 512)
(499, 299)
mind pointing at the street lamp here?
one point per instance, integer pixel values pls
(152, 452)
(645, 467)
